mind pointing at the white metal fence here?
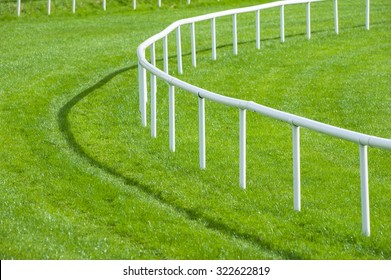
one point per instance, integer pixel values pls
(159, 3)
(296, 122)
(104, 5)
(49, 6)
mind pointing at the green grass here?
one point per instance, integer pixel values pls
(81, 179)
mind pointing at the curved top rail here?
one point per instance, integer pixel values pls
(349, 135)
(174, 25)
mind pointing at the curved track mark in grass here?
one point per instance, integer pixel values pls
(191, 214)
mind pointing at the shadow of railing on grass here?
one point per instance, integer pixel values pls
(191, 214)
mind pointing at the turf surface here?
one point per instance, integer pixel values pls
(81, 179)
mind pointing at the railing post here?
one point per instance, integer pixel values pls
(213, 27)
(296, 167)
(308, 17)
(171, 102)
(142, 74)
(193, 44)
(73, 6)
(188, 2)
(18, 7)
(258, 29)
(165, 54)
(179, 49)
(368, 10)
(201, 128)
(282, 23)
(49, 7)
(153, 93)
(159, 3)
(235, 34)
(134, 4)
(242, 148)
(104, 5)
(336, 24)
(364, 190)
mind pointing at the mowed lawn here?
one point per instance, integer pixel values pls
(80, 178)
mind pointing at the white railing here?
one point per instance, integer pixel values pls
(363, 140)
(49, 6)
(159, 3)
(49, 3)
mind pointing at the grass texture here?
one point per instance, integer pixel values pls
(80, 178)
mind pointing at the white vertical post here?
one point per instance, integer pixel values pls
(242, 148)
(104, 5)
(142, 74)
(235, 34)
(49, 7)
(336, 24)
(258, 29)
(134, 4)
(188, 2)
(193, 45)
(18, 8)
(201, 128)
(364, 190)
(296, 167)
(179, 49)
(73, 6)
(368, 10)
(153, 93)
(165, 54)
(171, 101)
(213, 27)
(141, 88)
(282, 23)
(159, 3)
(308, 17)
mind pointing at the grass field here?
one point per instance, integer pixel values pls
(82, 179)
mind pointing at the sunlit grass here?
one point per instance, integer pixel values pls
(82, 179)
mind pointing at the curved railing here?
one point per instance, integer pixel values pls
(363, 140)
(49, 5)
(159, 3)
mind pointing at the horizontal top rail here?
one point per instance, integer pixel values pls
(349, 135)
